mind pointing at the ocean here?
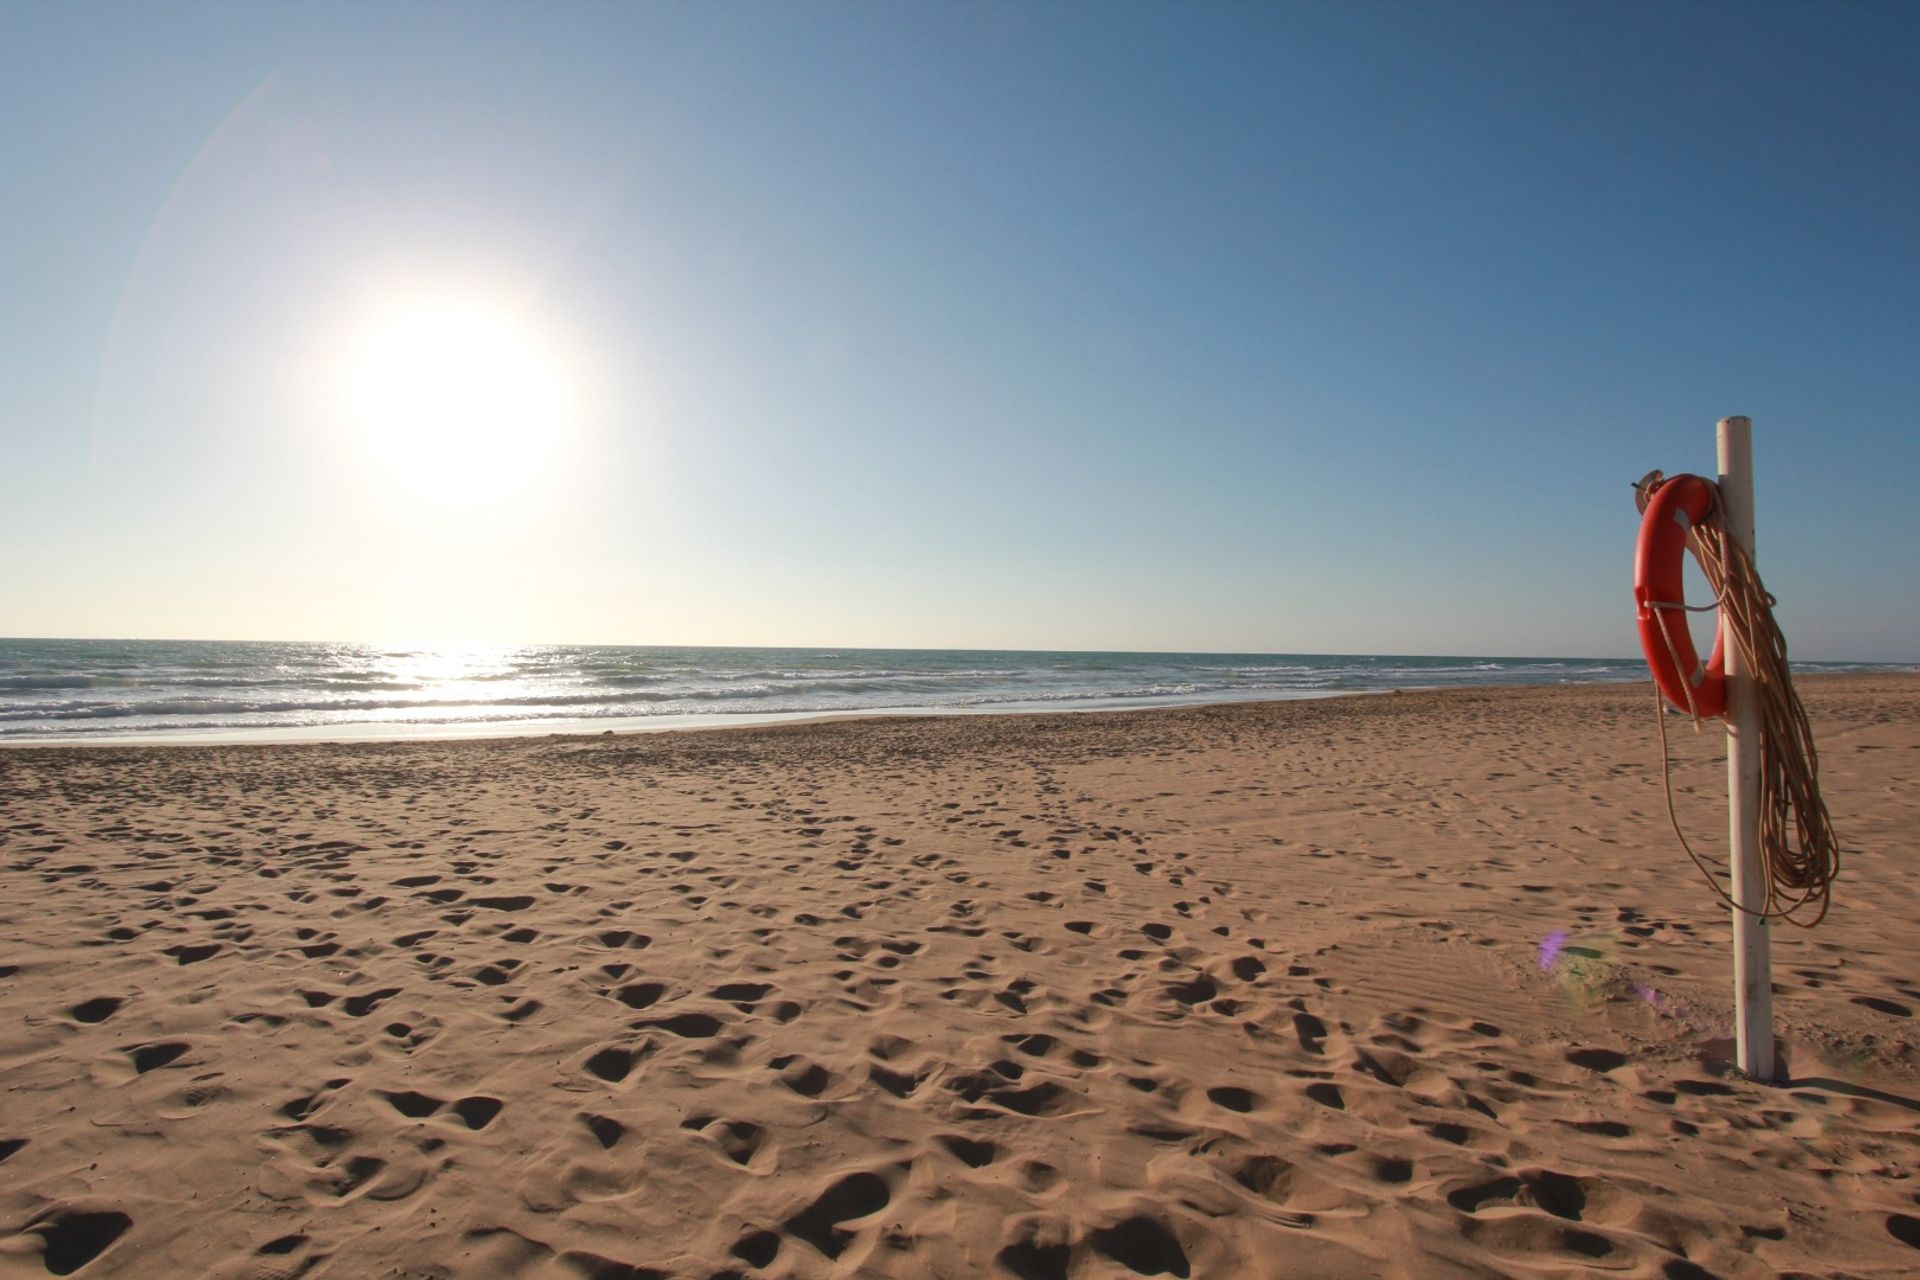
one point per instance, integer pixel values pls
(129, 690)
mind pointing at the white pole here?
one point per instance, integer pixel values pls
(1752, 963)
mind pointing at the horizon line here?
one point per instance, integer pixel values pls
(869, 648)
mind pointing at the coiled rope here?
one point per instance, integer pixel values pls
(1799, 872)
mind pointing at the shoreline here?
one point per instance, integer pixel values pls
(84, 692)
(692, 722)
(628, 726)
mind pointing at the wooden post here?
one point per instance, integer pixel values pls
(1752, 961)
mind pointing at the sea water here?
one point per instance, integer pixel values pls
(96, 690)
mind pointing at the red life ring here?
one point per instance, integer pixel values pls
(1676, 507)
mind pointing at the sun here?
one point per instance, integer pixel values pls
(456, 397)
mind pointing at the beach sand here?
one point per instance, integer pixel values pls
(1413, 985)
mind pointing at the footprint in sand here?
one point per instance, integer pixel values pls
(499, 973)
(972, 1152)
(75, 1237)
(1597, 1060)
(285, 1258)
(741, 1141)
(640, 995)
(1233, 1098)
(851, 1198)
(690, 1026)
(606, 1131)
(414, 1106)
(477, 1112)
(98, 1009)
(1143, 1245)
(614, 1064)
(151, 1057)
(1311, 1031)
(1327, 1094)
(361, 1005)
(757, 1249)
(1037, 1249)
(1565, 1196)
(806, 1078)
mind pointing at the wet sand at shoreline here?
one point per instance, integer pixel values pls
(1413, 985)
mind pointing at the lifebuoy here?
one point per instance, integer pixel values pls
(1676, 508)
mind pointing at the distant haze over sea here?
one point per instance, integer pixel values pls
(95, 690)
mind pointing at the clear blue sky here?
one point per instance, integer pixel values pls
(1316, 327)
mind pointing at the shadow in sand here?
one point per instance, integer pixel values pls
(1718, 1055)
(1852, 1090)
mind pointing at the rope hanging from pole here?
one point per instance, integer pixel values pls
(1800, 869)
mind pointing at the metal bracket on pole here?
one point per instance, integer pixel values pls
(1752, 961)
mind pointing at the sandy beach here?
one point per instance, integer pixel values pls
(1413, 985)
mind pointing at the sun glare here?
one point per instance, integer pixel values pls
(455, 398)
